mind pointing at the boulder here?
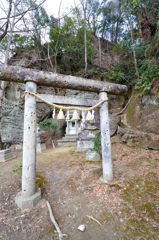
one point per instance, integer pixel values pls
(142, 114)
(135, 138)
(114, 122)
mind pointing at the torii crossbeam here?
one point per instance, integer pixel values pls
(29, 195)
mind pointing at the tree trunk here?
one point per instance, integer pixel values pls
(4, 84)
(100, 52)
(85, 38)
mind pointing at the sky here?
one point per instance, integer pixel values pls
(52, 6)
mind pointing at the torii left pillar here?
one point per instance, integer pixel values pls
(29, 195)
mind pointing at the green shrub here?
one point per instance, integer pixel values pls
(149, 73)
(97, 143)
(50, 125)
(122, 73)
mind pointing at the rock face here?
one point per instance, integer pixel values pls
(141, 121)
(108, 59)
(142, 114)
(113, 120)
(134, 138)
(11, 115)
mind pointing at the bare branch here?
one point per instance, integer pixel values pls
(8, 19)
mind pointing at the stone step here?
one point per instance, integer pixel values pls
(66, 144)
(71, 136)
(6, 155)
(67, 141)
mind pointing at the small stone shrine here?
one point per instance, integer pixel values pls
(72, 130)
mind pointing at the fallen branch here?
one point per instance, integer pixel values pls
(153, 194)
(61, 235)
(94, 219)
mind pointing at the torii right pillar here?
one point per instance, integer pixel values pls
(105, 140)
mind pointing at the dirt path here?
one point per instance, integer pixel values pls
(127, 209)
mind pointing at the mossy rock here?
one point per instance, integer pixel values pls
(133, 112)
(40, 181)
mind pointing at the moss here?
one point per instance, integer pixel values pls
(116, 186)
(138, 229)
(130, 113)
(18, 168)
(75, 154)
(148, 208)
(132, 189)
(52, 232)
(40, 181)
(96, 162)
(141, 201)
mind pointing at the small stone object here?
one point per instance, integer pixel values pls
(82, 228)
(91, 155)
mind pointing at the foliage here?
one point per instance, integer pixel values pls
(49, 124)
(152, 49)
(131, 27)
(122, 73)
(67, 45)
(97, 143)
(40, 180)
(149, 72)
(18, 168)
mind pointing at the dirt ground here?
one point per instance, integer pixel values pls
(128, 209)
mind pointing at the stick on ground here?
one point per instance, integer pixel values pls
(61, 235)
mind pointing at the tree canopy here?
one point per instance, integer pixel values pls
(66, 44)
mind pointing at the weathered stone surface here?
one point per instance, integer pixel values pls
(44, 78)
(115, 139)
(136, 138)
(113, 120)
(6, 155)
(11, 123)
(84, 145)
(25, 203)
(91, 155)
(86, 137)
(107, 58)
(12, 113)
(67, 141)
(142, 114)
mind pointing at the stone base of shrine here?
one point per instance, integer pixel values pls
(91, 155)
(67, 141)
(6, 155)
(25, 203)
(40, 147)
(84, 145)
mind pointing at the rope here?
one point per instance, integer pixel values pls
(53, 105)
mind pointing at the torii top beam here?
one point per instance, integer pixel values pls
(44, 78)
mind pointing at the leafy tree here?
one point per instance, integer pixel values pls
(111, 26)
(67, 45)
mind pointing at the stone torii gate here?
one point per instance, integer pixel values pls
(30, 195)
